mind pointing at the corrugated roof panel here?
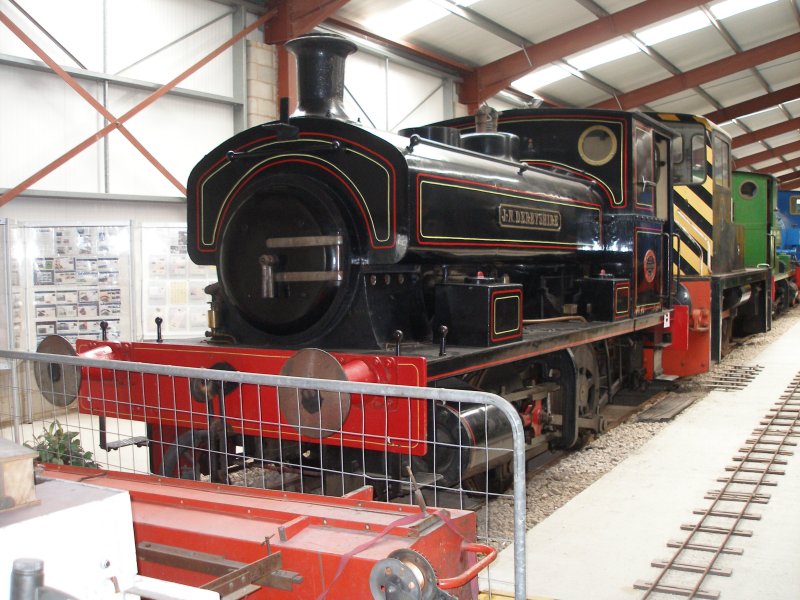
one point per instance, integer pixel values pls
(686, 101)
(361, 10)
(574, 92)
(613, 6)
(756, 27)
(536, 21)
(631, 72)
(793, 107)
(784, 138)
(735, 88)
(782, 72)
(763, 119)
(748, 149)
(456, 37)
(694, 49)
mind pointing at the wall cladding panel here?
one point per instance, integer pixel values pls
(42, 118)
(136, 30)
(74, 24)
(177, 131)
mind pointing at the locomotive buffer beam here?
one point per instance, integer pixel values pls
(235, 579)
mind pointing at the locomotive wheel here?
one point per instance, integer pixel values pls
(189, 457)
(587, 382)
(578, 375)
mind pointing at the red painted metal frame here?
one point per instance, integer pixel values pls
(332, 543)
(115, 123)
(777, 152)
(754, 105)
(383, 424)
(781, 166)
(693, 356)
(766, 132)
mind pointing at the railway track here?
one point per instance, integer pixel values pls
(755, 469)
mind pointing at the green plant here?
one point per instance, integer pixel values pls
(59, 447)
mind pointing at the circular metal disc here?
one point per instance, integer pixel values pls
(59, 383)
(422, 569)
(314, 413)
(390, 578)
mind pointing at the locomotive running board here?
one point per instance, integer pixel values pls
(537, 340)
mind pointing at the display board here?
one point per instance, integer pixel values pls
(173, 287)
(78, 276)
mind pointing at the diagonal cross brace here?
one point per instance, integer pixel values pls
(114, 123)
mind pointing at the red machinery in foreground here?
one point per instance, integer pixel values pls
(268, 544)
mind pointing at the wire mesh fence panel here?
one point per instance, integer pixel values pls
(437, 447)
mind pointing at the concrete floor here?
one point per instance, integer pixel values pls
(602, 541)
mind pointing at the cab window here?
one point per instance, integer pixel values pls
(698, 159)
(722, 169)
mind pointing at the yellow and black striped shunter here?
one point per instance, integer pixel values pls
(727, 299)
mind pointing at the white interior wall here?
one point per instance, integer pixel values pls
(41, 117)
(389, 96)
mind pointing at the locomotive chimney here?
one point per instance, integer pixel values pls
(485, 119)
(320, 74)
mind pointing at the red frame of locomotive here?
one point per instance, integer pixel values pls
(252, 410)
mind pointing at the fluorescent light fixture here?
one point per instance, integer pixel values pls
(409, 16)
(604, 54)
(728, 8)
(540, 78)
(674, 27)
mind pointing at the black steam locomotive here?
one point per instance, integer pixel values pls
(548, 286)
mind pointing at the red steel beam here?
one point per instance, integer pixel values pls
(70, 81)
(489, 79)
(781, 166)
(710, 72)
(296, 17)
(402, 46)
(766, 132)
(749, 107)
(758, 157)
(778, 152)
(790, 182)
(15, 191)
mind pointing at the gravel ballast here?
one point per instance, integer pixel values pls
(549, 490)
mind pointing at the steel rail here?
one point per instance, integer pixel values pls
(725, 494)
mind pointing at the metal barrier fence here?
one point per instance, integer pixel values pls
(447, 448)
